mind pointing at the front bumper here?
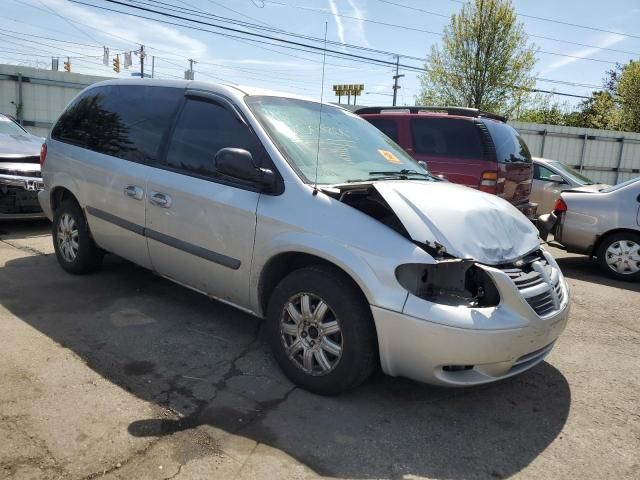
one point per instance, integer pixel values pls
(460, 346)
(19, 197)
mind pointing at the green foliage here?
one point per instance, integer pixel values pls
(485, 60)
(628, 90)
(615, 107)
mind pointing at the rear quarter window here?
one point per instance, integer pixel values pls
(447, 137)
(124, 121)
(510, 146)
(385, 125)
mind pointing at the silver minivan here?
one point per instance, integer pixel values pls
(306, 215)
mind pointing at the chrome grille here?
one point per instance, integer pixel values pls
(539, 283)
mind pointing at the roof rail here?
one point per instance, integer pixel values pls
(462, 111)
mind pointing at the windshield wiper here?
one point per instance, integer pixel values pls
(400, 173)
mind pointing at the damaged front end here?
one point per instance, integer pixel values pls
(20, 182)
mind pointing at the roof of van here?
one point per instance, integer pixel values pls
(229, 89)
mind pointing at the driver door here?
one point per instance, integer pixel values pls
(201, 225)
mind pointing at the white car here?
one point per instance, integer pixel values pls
(310, 217)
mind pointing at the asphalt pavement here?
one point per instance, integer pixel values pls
(122, 374)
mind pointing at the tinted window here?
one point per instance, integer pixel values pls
(444, 137)
(510, 147)
(204, 128)
(124, 121)
(386, 126)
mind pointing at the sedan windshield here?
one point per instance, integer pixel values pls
(349, 148)
(572, 174)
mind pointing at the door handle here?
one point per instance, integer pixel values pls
(160, 199)
(134, 191)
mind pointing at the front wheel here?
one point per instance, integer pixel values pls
(619, 256)
(321, 331)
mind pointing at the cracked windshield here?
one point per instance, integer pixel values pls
(349, 150)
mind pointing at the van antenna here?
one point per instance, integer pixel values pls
(324, 59)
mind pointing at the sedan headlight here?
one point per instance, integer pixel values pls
(449, 282)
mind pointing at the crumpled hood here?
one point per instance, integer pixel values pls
(20, 145)
(466, 222)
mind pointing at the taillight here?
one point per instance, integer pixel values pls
(560, 206)
(489, 182)
(43, 154)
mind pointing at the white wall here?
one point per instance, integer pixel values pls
(601, 150)
(40, 103)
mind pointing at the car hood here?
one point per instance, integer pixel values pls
(467, 223)
(16, 146)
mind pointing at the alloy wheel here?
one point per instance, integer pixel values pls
(68, 237)
(311, 334)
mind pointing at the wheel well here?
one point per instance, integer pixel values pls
(59, 195)
(602, 237)
(283, 264)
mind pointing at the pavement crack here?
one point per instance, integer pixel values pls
(175, 474)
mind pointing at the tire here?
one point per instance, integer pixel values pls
(76, 251)
(346, 323)
(628, 266)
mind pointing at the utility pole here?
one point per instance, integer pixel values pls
(153, 65)
(395, 81)
(141, 61)
(191, 73)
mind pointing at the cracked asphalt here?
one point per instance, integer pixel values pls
(122, 374)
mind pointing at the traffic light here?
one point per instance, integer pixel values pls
(67, 65)
(116, 64)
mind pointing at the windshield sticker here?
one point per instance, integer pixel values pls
(390, 157)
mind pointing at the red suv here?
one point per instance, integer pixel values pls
(463, 145)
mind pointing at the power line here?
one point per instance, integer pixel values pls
(323, 11)
(288, 43)
(561, 22)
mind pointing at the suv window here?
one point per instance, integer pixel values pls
(386, 126)
(446, 137)
(510, 147)
(204, 128)
(125, 121)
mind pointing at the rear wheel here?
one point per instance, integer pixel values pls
(321, 331)
(619, 256)
(75, 249)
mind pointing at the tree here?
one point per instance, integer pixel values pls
(628, 90)
(485, 60)
(599, 111)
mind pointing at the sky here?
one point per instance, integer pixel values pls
(32, 31)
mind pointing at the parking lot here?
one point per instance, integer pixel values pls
(123, 374)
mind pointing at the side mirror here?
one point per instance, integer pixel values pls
(238, 163)
(423, 164)
(556, 178)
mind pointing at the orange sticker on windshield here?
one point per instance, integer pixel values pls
(389, 157)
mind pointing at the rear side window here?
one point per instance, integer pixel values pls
(447, 137)
(204, 128)
(124, 121)
(386, 126)
(510, 146)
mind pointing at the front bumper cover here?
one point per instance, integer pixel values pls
(481, 344)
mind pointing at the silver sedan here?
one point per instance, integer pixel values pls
(551, 178)
(603, 224)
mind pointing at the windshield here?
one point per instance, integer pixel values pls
(510, 147)
(349, 150)
(613, 188)
(573, 174)
(9, 127)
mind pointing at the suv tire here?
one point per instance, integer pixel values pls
(76, 251)
(321, 331)
(623, 242)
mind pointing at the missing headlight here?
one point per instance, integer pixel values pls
(450, 282)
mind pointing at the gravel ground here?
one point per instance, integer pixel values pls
(122, 374)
